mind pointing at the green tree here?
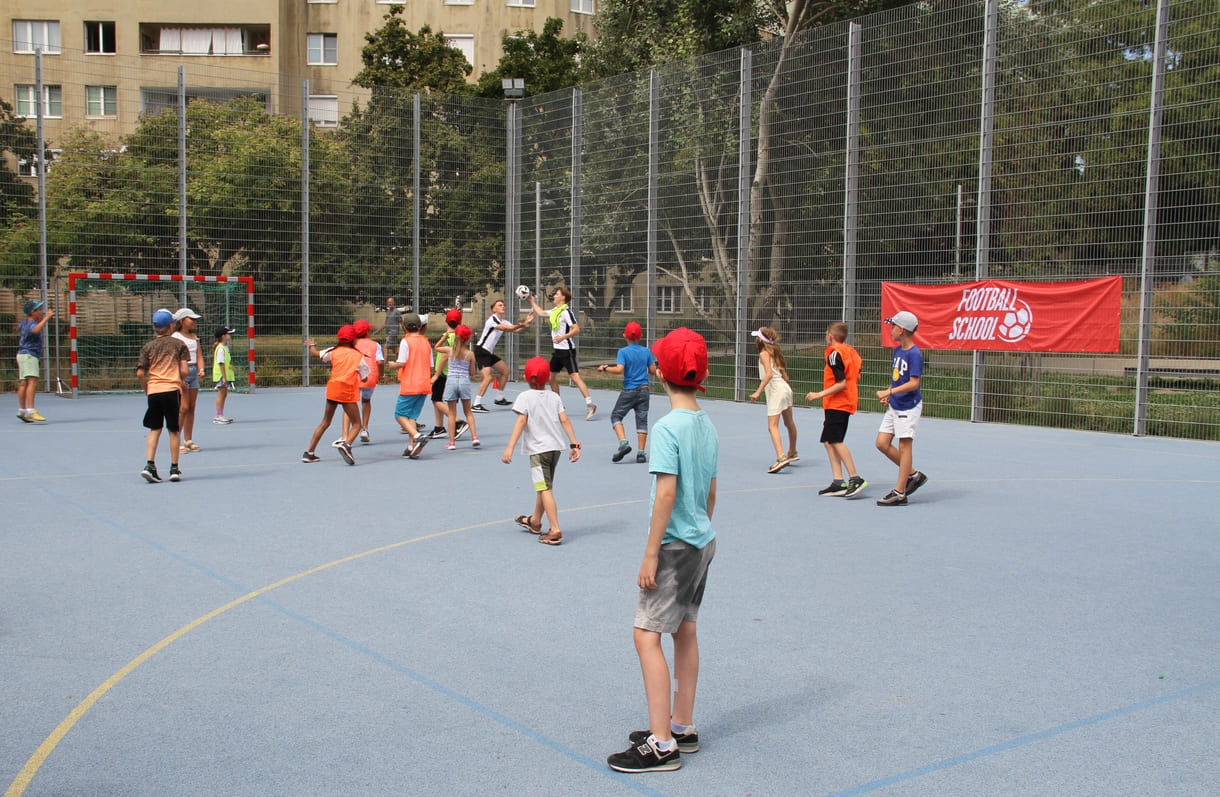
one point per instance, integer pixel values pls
(637, 34)
(546, 61)
(394, 57)
(20, 143)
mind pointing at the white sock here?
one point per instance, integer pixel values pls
(676, 728)
(665, 747)
(588, 400)
(497, 393)
(478, 401)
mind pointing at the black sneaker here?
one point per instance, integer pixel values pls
(503, 402)
(460, 429)
(640, 456)
(479, 408)
(834, 488)
(623, 450)
(645, 757)
(915, 481)
(687, 742)
(150, 474)
(855, 485)
(437, 433)
(417, 445)
(345, 451)
(175, 475)
(893, 498)
(310, 456)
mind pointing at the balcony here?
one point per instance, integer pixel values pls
(214, 40)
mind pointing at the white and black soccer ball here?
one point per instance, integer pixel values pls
(523, 292)
(1015, 324)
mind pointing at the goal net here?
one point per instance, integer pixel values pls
(111, 318)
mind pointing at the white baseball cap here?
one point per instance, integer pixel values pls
(185, 312)
(904, 319)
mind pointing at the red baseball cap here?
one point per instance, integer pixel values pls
(463, 332)
(682, 357)
(362, 328)
(453, 315)
(346, 334)
(633, 331)
(537, 371)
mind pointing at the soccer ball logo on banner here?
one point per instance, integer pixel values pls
(1016, 323)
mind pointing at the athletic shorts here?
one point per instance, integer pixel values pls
(483, 358)
(366, 393)
(778, 394)
(901, 423)
(458, 389)
(28, 367)
(542, 469)
(681, 578)
(564, 359)
(834, 428)
(409, 406)
(192, 377)
(438, 388)
(162, 411)
(637, 399)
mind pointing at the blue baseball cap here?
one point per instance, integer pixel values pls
(31, 306)
(162, 318)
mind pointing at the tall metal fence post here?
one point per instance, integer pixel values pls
(182, 244)
(41, 171)
(538, 256)
(745, 119)
(416, 143)
(574, 212)
(851, 186)
(305, 231)
(982, 245)
(650, 244)
(512, 219)
(1151, 186)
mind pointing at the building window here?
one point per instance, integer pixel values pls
(31, 34)
(52, 101)
(99, 37)
(28, 167)
(324, 110)
(669, 299)
(623, 303)
(522, 3)
(158, 39)
(459, 2)
(582, 6)
(101, 101)
(323, 49)
(463, 42)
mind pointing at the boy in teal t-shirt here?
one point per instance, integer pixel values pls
(681, 545)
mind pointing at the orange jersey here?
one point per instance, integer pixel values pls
(161, 359)
(344, 383)
(368, 349)
(415, 378)
(847, 399)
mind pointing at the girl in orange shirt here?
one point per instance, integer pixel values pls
(347, 369)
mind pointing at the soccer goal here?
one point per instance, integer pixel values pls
(110, 318)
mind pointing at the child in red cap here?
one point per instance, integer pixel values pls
(681, 545)
(540, 421)
(374, 358)
(439, 376)
(457, 384)
(347, 368)
(637, 365)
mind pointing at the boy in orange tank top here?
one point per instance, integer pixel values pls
(840, 397)
(347, 369)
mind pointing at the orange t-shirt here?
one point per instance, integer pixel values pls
(368, 349)
(415, 378)
(847, 399)
(344, 383)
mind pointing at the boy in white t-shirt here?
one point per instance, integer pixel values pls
(541, 424)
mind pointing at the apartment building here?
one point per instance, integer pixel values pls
(106, 62)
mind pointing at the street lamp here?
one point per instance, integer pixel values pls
(514, 87)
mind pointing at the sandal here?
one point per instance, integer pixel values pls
(551, 537)
(793, 457)
(526, 523)
(779, 465)
(191, 445)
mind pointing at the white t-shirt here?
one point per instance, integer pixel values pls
(543, 430)
(192, 345)
(491, 333)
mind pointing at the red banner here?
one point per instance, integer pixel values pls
(997, 315)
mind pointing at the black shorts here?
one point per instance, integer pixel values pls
(438, 388)
(564, 359)
(834, 429)
(162, 411)
(483, 358)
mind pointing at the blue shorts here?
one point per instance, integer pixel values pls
(366, 393)
(192, 377)
(409, 406)
(637, 398)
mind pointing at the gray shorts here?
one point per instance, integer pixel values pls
(681, 578)
(192, 377)
(366, 393)
(637, 398)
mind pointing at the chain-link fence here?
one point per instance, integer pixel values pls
(778, 184)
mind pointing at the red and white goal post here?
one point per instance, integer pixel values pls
(121, 312)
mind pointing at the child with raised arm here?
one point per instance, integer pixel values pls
(773, 372)
(488, 362)
(540, 421)
(374, 358)
(563, 356)
(29, 359)
(681, 545)
(162, 370)
(637, 365)
(840, 398)
(347, 368)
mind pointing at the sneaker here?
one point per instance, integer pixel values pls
(474, 442)
(150, 474)
(893, 498)
(778, 465)
(340, 443)
(915, 481)
(833, 489)
(460, 430)
(450, 446)
(855, 486)
(364, 435)
(417, 445)
(310, 456)
(175, 475)
(645, 757)
(345, 451)
(687, 742)
(479, 408)
(551, 538)
(24, 416)
(590, 411)
(222, 419)
(624, 448)
(35, 416)
(793, 457)
(641, 457)
(503, 402)
(437, 433)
